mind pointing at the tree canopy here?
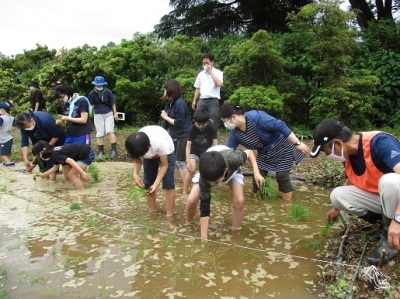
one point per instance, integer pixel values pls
(212, 18)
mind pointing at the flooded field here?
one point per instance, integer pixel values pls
(101, 242)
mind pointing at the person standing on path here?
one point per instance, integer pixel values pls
(36, 100)
(208, 89)
(105, 113)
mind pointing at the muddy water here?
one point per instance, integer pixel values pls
(112, 248)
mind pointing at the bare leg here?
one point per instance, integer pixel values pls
(66, 169)
(100, 140)
(170, 201)
(191, 203)
(75, 179)
(5, 159)
(238, 204)
(204, 221)
(189, 175)
(151, 202)
(287, 196)
(111, 137)
(184, 173)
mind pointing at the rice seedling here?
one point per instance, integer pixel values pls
(3, 271)
(214, 198)
(267, 190)
(72, 261)
(175, 269)
(30, 279)
(75, 206)
(313, 244)
(169, 240)
(326, 228)
(93, 171)
(150, 229)
(3, 188)
(298, 213)
(136, 192)
(92, 222)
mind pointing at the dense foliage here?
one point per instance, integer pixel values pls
(322, 66)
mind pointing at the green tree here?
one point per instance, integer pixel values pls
(212, 18)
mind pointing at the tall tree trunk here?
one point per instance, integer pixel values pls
(363, 12)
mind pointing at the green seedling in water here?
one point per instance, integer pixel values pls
(314, 244)
(170, 239)
(92, 222)
(93, 171)
(326, 228)
(298, 212)
(75, 206)
(267, 190)
(214, 198)
(136, 192)
(150, 229)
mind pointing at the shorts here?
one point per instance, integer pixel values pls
(5, 148)
(194, 157)
(89, 160)
(237, 177)
(151, 167)
(87, 139)
(104, 123)
(180, 149)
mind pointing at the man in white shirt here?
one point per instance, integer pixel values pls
(208, 85)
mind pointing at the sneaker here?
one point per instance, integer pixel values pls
(9, 164)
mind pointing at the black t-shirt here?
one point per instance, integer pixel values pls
(201, 140)
(37, 97)
(74, 129)
(75, 151)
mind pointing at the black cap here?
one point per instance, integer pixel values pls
(34, 84)
(324, 132)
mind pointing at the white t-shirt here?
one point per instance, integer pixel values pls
(161, 142)
(206, 84)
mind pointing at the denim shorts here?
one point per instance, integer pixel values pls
(89, 160)
(151, 167)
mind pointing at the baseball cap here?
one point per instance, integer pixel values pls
(6, 106)
(324, 132)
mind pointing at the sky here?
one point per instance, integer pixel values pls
(73, 23)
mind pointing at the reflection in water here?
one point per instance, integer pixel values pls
(113, 248)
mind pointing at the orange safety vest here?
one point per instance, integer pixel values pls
(367, 181)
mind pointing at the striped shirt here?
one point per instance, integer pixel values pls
(279, 158)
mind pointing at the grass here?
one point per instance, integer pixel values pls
(93, 171)
(298, 213)
(75, 207)
(267, 190)
(136, 192)
(92, 222)
(313, 244)
(169, 240)
(326, 228)
(30, 279)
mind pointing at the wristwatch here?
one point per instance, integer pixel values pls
(397, 218)
(298, 142)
